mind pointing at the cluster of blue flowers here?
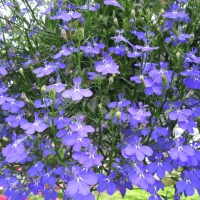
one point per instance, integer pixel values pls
(75, 134)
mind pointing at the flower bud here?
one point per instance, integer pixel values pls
(118, 114)
(164, 80)
(133, 13)
(192, 37)
(52, 94)
(21, 71)
(43, 89)
(131, 21)
(100, 106)
(178, 54)
(142, 78)
(24, 97)
(111, 79)
(116, 22)
(63, 33)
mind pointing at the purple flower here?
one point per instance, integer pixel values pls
(159, 167)
(45, 71)
(89, 49)
(38, 125)
(16, 120)
(3, 71)
(36, 186)
(107, 66)
(175, 14)
(120, 38)
(135, 148)
(47, 177)
(61, 121)
(139, 114)
(89, 5)
(43, 103)
(107, 183)
(67, 16)
(12, 106)
(134, 54)
(64, 52)
(81, 129)
(146, 48)
(93, 76)
(76, 93)
(3, 97)
(50, 194)
(81, 181)
(15, 152)
(180, 114)
(141, 178)
(114, 3)
(180, 151)
(35, 169)
(188, 184)
(157, 75)
(119, 49)
(89, 158)
(70, 138)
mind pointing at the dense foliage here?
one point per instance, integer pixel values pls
(99, 95)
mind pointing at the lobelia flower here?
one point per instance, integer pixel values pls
(64, 52)
(188, 184)
(81, 129)
(122, 184)
(157, 75)
(36, 186)
(45, 102)
(81, 181)
(179, 114)
(70, 138)
(89, 158)
(61, 121)
(15, 152)
(96, 44)
(3, 71)
(38, 125)
(12, 106)
(68, 16)
(135, 148)
(3, 96)
(146, 48)
(120, 37)
(134, 54)
(119, 49)
(16, 120)
(93, 76)
(180, 151)
(188, 125)
(47, 177)
(76, 93)
(58, 86)
(106, 183)
(159, 167)
(50, 194)
(174, 13)
(139, 114)
(113, 3)
(141, 178)
(89, 49)
(107, 66)
(45, 71)
(90, 5)
(35, 169)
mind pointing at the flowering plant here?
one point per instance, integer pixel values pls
(99, 95)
